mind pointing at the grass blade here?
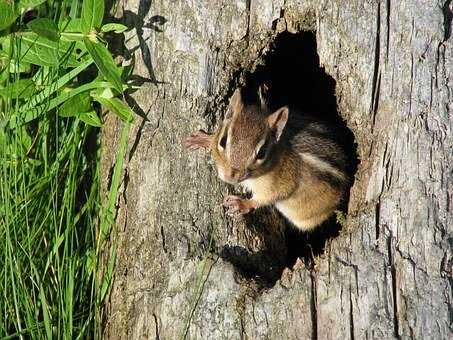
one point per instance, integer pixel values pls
(107, 276)
(92, 14)
(7, 14)
(69, 301)
(107, 216)
(45, 312)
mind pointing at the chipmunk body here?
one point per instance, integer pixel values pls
(293, 163)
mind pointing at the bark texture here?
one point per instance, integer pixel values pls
(389, 272)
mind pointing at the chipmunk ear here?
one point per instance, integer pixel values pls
(236, 104)
(277, 121)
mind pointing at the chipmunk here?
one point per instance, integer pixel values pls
(282, 157)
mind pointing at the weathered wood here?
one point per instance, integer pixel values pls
(388, 274)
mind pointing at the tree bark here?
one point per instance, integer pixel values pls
(185, 269)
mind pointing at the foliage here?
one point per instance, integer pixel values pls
(56, 73)
(340, 218)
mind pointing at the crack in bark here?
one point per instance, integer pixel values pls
(162, 234)
(448, 16)
(248, 5)
(388, 170)
(440, 61)
(351, 318)
(376, 98)
(157, 326)
(388, 7)
(377, 217)
(394, 286)
(376, 73)
(446, 272)
(313, 307)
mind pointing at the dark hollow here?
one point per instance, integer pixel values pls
(292, 72)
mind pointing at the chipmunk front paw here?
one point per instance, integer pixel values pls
(197, 140)
(236, 205)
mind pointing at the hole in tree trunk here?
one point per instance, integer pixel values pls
(291, 71)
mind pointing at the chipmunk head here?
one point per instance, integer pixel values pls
(244, 142)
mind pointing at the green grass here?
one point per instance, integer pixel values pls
(49, 208)
(52, 224)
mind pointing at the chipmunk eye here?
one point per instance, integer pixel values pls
(223, 141)
(262, 151)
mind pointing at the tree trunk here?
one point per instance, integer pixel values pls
(185, 269)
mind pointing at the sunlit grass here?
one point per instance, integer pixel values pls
(50, 210)
(49, 191)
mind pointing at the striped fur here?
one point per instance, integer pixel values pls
(303, 172)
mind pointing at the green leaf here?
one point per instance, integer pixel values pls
(90, 263)
(23, 141)
(29, 4)
(117, 28)
(45, 28)
(45, 313)
(74, 8)
(91, 118)
(105, 63)
(32, 114)
(126, 72)
(71, 29)
(30, 110)
(71, 25)
(20, 67)
(22, 88)
(76, 105)
(47, 92)
(92, 15)
(7, 14)
(117, 107)
(104, 93)
(44, 52)
(69, 301)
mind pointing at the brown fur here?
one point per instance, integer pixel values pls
(302, 173)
